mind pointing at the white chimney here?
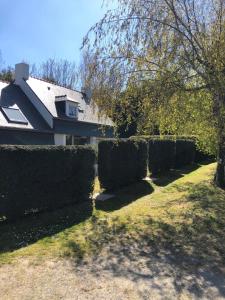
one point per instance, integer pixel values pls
(21, 72)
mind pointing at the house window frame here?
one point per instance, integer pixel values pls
(74, 137)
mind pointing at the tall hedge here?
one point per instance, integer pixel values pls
(121, 162)
(168, 152)
(185, 153)
(36, 178)
(200, 155)
(161, 155)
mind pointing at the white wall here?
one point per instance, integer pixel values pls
(93, 140)
(60, 139)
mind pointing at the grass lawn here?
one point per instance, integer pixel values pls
(182, 211)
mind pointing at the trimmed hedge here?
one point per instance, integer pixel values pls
(121, 162)
(165, 137)
(37, 178)
(185, 153)
(200, 156)
(167, 152)
(161, 155)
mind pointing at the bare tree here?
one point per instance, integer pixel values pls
(60, 72)
(100, 80)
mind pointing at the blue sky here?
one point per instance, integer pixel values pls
(34, 30)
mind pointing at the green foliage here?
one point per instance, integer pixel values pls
(121, 162)
(170, 54)
(191, 114)
(36, 178)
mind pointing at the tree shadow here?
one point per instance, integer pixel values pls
(125, 196)
(191, 256)
(153, 258)
(168, 177)
(28, 230)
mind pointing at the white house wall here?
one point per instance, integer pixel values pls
(60, 139)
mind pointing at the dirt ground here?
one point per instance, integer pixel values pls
(114, 275)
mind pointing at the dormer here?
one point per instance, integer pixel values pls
(66, 106)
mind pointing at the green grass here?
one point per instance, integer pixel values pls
(187, 214)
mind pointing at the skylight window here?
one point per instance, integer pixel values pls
(14, 115)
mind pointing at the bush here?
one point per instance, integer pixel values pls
(36, 178)
(121, 162)
(161, 155)
(185, 153)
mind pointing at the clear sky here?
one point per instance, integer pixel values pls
(35, 30)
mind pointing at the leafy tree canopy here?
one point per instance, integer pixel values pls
(169, 52)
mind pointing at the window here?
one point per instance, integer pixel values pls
(14, 115)
(69, 140)
(77, 140)
(71, 110)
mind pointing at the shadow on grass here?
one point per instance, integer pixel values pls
(191, 252)
(168, 177)
(28, 230)
(125, 196)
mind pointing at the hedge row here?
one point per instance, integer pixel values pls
(161, 155)
(36, 178)
(200, 156)
(168, 154)
(121, 162)
(185, 153)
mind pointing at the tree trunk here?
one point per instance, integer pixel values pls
(220, 171)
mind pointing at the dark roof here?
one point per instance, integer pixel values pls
(12, 96)
(47, 92)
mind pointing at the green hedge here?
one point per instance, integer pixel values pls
(161, 155)
(200, 156)
(169, 151)
(185, 153)
(121, 162)
(165, 137)
(37, 178)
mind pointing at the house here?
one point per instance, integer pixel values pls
(37, 112)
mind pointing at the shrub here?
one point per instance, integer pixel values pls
(185, 153)
(121, 162)
(36, 178)
(161, 155)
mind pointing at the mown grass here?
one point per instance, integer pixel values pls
(186, 215)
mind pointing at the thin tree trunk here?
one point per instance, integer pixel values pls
(220, 171)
